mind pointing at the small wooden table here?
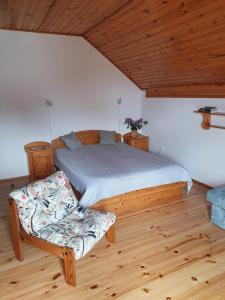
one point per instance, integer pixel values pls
(40, 160)
(140, 141)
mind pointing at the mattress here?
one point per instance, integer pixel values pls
(104, 171)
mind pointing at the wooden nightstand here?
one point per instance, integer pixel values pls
(140, 142)
(40, 160)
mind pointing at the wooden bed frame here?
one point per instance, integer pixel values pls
(131, 201)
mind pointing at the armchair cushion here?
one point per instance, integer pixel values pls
(44, 202)
(80, 230)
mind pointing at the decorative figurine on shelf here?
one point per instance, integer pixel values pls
(135, 125)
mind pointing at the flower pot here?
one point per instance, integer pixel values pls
(134, 134)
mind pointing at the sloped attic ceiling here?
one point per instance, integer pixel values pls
(167, 47)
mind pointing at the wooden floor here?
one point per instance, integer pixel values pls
(170, 251)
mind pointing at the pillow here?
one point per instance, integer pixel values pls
(44, 202)
(107, 137)
(71, 141)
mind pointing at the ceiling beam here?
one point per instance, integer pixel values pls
(187, 91)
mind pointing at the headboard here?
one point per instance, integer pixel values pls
(87, 137)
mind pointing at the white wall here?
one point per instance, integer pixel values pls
(174, 126)
(84, 87)
(81, 83)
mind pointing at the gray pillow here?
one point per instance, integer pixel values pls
(71, 141)
(107, 137)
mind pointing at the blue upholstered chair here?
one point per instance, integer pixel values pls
(217, 198)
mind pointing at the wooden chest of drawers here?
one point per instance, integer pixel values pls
(40, 160)
(140, 141)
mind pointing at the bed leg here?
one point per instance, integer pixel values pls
(110, 234)
(69, 266)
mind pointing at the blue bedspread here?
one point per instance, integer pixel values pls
(103, 171)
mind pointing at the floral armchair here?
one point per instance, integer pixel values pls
(47, 215)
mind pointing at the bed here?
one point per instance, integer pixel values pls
(118, 177)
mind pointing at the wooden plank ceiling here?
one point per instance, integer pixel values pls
(70, 17)
(167, 47)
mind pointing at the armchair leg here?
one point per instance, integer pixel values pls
(15, 230)
(69, 266)
(110, 234)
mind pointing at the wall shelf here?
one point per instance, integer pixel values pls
(207, 118)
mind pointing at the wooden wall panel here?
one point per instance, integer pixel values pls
(23, 15)
(164, 43)
(72, 17)
(194, 91)
(167, 43)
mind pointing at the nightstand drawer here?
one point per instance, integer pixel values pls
(41, 164)
(142, 145)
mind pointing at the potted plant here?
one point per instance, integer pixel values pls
(135, 125)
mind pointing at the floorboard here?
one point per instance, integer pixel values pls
(169, 251)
